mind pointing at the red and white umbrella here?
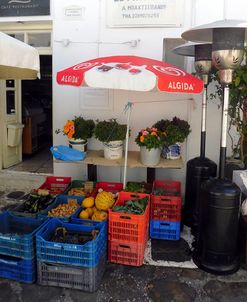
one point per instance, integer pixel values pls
(130, 73)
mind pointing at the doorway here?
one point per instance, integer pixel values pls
(36, 98)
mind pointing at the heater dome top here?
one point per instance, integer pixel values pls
(187, 49)
(204, 33)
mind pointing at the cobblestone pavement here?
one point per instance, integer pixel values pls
(163, 277)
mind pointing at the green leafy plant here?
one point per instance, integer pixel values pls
(78, 128)
(175, 131)
(110, 130)
(237, 107)
(151, 138)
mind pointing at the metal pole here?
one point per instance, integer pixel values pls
(128, 107)
(203, 122)
(224, 132)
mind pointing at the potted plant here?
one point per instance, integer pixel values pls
(150, 141)
(78, 131)
(112, 135)
(175, 131)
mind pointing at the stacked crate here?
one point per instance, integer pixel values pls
(128, 233)
(17, 247)
(166, 208)
(71, 265)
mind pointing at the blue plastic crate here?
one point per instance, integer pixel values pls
(17, 234)
(61, 199)
(86, 255)
(18, 269)
(161, 229)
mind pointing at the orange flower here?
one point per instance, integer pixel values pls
(142, 138)
(153, 133)
(69, 128)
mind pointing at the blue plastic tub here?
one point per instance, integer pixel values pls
(18, 269)
(166, 230)
(17, 235)
(86, 255)
(63, 199)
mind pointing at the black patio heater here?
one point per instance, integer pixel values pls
(201, 168)
(217, 246)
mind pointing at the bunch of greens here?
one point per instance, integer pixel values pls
(135, 206)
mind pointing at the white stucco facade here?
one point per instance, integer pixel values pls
(91, 37)
(79, 38)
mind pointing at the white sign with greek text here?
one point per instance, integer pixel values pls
(145, 13)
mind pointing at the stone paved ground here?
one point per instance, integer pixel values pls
(153, 282)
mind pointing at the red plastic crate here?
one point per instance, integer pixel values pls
(166, 207)
(130, 228)
(113, 187)
(56, 184)
(126, 253)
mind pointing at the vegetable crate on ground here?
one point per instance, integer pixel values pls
(78, 265)
(86, 255)
(17, 246)
(22, 270)
(129, 227)
(128, 232)
(63, 207)
(17, 235)
(166, 205)
(56, 184)
(83, 278)
(161, 229)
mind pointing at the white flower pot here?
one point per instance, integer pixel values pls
(150, 157)
(113, 149)
(78, 144)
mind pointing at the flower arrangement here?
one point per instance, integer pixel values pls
(151, 138)
(176, 130)
(110, 130)
(78, 128)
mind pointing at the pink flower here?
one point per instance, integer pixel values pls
(145, 132)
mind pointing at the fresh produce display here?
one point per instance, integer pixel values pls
(138, 187)
(36, 202)
(132, 206)
(96, 208)
(64, 209)
(62, 235)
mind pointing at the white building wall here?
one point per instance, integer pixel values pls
(75, 41)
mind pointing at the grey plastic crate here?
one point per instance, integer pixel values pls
(84, 278)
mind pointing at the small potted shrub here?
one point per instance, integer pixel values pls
(111, 134)
(175, 131)
(78, 131)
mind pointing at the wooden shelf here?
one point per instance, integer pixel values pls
(96, 157)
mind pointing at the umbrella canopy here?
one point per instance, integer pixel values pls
(130, 73)
(18, 60)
